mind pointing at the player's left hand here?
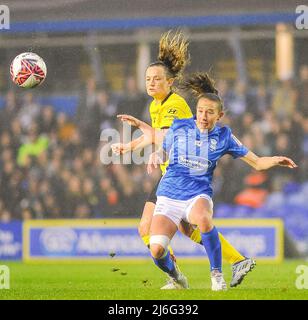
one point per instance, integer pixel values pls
(154, 161)
(285, 162)
(119, 148)
(132, 121)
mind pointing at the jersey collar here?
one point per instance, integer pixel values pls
(169, 94)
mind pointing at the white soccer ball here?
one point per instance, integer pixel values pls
(28, 70)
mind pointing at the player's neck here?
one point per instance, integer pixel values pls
(202, 129)
(162, 99)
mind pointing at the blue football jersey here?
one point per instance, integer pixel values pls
(193, 156)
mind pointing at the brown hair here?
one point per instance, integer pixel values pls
(202, 86)
(173, 54)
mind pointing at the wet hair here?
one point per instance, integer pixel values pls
(202, 86)
(173, 54)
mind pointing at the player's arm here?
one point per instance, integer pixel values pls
(264, 163)
(156, 158)
(149, 136)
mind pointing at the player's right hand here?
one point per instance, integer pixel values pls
(119, 148)
(132, 121)
(154, 161)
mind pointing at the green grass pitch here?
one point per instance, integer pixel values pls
(116, 279)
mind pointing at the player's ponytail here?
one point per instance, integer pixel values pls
(173, 54)
(202, 86)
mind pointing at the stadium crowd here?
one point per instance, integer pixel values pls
(50, 163)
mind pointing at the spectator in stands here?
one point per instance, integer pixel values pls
(46, 120)
(258, 103)
(304, 148)
(284, 100)
(8, 113)
(107, 110)
(134, 101)
(303, 90)
(90, 196)
(28, 111)
(35, 145)
(238, 103)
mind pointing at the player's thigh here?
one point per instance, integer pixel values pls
(146, 218)
(200, 210)
(162, 225)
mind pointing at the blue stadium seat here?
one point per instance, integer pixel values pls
(291, 187)
(244, 211)
(274, 200)
(224, 210)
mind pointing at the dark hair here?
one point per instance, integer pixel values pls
(202, 86)
(173, 55)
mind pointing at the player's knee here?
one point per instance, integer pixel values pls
(205, 223)
(159, 245)
(157, 251)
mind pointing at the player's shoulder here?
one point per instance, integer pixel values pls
(176, 102)
(176, 97)
(223, 131)
(183, 123)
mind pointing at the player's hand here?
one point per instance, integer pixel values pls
(285, 162)
(154, 161)
(119, 148)
(132, 121)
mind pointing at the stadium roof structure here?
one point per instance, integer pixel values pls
(63, 10)
(67, 22)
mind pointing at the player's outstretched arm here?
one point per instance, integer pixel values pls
(132, 121)
(149, 136)
(264, 163)
(139, 143)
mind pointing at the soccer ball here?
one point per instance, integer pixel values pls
(28, 70)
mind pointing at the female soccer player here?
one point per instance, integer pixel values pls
(185, 192)
(165, 107)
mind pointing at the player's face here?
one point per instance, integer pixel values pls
(208, 113)
(157, 84)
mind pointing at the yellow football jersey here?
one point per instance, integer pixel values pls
(163, 114)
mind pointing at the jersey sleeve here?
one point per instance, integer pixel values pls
(235, 148)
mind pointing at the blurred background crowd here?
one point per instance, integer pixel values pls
(51, 168)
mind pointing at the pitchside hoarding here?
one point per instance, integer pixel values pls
(98, 239)
(11, 240)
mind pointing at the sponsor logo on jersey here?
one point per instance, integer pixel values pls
(194, 162)
(172, 111)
